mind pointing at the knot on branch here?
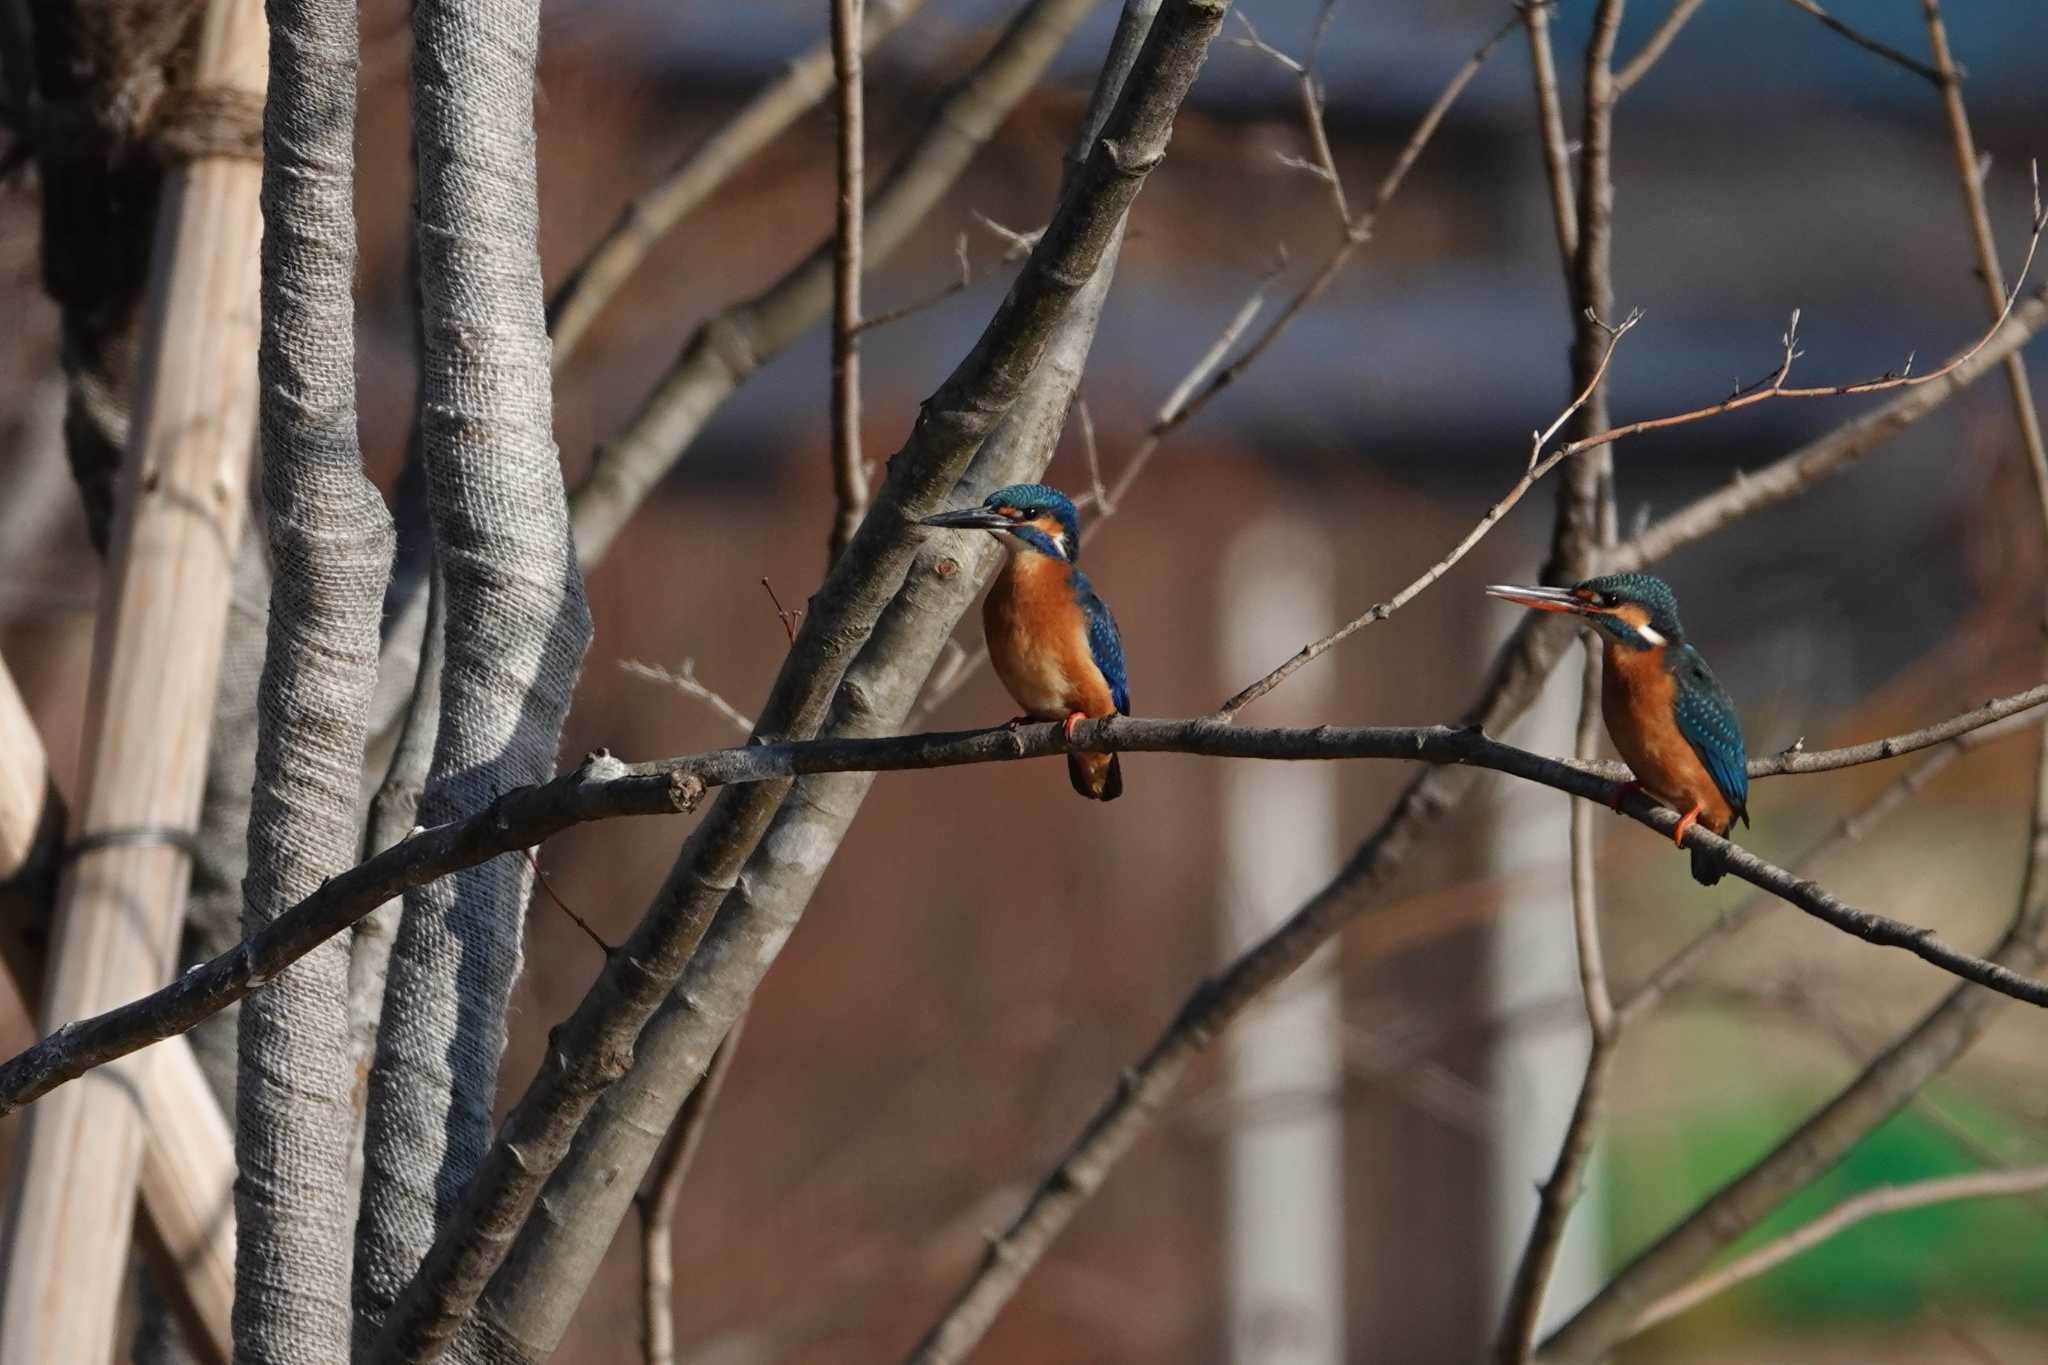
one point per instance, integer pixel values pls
(685, 790)
(197, 122)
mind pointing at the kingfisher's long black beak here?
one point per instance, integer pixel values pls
(968, 519)
(1542, 599)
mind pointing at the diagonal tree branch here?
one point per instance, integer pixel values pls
(1655, 46)
(1868, 43)
(593, 1046)
(527, 1305)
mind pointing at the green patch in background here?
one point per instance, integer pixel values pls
(1983, 1255)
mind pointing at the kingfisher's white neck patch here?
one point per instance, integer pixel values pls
(1651, 635)
(1018, 545)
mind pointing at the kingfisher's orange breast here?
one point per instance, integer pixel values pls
(1639, 702)
(1038, 641)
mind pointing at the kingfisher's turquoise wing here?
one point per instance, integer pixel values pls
(1105, 644)
(1707, 719)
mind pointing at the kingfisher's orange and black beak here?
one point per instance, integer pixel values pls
(968, 519)
(1544, 599)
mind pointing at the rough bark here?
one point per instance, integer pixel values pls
(517, 620)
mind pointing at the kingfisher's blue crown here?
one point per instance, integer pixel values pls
(1037, 499)
(1647, 591)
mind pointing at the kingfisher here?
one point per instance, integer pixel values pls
(1052, 640)
(1670, 719)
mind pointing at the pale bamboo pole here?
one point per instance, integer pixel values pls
(163, 608)
(24, 780)
(188, 1156)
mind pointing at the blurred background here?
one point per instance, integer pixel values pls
(1353, 1176)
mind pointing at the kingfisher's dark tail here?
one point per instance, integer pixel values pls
(1706, 867)
(1099, 777)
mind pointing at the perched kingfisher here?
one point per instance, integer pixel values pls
(1052, 641)
(1671, 721)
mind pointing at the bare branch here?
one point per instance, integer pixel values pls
(684, 680)
(658, 1202)
(1869, 44)
(655, 211)
(1324, 165)
(1884, 1199)
(1557, 157)
(1654, 46)
(602, 788)
(1016, 246)
(849, 475)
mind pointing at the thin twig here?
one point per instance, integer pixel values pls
(790, 618)
(1309, 91)
(1869, 44)
(685, 681)
(1094, 454)
(1380, 611)
(533, 861)
(1015, 248)
(1358, 234)
(657, 1203)
(602, 788)
(1654, 46)
(849, 475)
(1870, 1204)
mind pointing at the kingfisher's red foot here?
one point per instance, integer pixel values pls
(1686, 822)
(1621, 792)
(1075, 719)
